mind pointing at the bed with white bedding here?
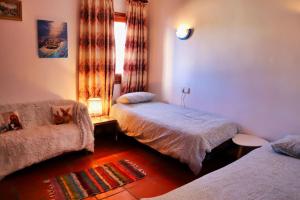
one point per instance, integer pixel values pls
(262, 174)
(181, 133)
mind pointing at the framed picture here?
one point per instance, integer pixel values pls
(52, 39)
(11, 9)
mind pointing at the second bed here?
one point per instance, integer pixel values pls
(181, 133)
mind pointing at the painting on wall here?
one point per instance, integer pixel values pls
(11, 9)
(52, 39)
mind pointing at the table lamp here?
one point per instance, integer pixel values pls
(95, 107)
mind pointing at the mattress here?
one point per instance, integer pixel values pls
(181, 133)
(261, 174)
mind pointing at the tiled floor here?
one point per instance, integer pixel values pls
(163, 173)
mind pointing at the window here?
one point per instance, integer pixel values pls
(120, 39)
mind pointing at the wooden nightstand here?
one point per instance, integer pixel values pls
(247, 143)
(105, 125)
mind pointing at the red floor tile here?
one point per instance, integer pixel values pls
(91, 198)
(163, 173)
(149, 187)
(125, 195)
(110, 193)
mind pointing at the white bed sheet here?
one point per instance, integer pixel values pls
(260, 175)
(181, 133)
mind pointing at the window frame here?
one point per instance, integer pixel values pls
(119, 17)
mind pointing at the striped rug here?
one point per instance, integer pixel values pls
(92, 181)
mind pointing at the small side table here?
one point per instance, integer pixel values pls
(105, 125)
(247, 143)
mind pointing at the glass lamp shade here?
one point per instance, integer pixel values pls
(183, 32)
(95, 107)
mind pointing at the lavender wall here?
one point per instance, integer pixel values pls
(242, 61)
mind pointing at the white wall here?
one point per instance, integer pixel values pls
(242, 61)
(24, 76)
(120, 6)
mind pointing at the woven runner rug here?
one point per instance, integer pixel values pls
(93, 181)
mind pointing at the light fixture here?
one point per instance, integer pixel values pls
(184, 32)
(95, 107)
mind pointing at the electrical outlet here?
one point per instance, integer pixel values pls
(186, 90)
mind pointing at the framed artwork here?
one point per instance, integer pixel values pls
(52, 39)
(11, 9)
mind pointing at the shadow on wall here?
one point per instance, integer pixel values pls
(155, 58)
(161, 41)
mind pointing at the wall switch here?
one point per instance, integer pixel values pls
(186, 90)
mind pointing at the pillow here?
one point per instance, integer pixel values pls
(9, 121)
(136, 97)
(290, 145)
(62, 114)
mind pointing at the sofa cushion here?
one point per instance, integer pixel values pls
(25, 147)
(9, 121)
(62, 114)
(35, 113)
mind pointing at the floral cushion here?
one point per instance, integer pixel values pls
(9, 121)
(62, 114)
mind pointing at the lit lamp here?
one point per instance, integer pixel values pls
(184, 32)
(95, 107)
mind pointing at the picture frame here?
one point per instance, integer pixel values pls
(11, 10)
(52, 39)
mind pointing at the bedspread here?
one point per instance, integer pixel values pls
(181, 133)
(262, 174)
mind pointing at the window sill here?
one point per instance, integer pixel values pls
(118, 78)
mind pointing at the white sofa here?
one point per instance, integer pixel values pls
(40, 139)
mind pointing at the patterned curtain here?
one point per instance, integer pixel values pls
(97, 52)
(135, 65)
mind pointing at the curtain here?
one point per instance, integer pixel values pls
(135, 65)
(96, 52)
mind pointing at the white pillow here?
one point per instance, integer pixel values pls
(136, 97)
(289, 145)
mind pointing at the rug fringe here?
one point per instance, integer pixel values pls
(50, 190)
(136, 166)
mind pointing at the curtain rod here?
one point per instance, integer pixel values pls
(142, 1)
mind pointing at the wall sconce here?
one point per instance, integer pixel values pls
(184, 32)
(95, 107)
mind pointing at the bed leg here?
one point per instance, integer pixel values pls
(240, 152)
(116, 136)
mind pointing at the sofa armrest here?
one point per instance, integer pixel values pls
(84, 122)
